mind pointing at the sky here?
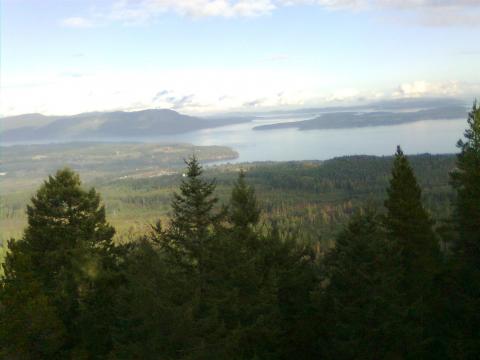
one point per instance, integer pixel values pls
(210, 56)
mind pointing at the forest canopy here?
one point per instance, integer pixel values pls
(215, 281)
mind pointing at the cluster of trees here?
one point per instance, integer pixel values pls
(317, 196)
(216, 284)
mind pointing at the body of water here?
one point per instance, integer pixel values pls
(435, 137)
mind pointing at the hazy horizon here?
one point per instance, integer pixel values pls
(216, 56)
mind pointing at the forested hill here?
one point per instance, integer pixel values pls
(215, 281)
(343, 120)
(116, 124)
(317, 196)
(357, 257)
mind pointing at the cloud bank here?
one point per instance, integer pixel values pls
(425, 12)
(185, 91)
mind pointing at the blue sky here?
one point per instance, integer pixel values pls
(204, 56)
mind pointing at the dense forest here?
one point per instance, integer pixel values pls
(317, 197)
(214, 280)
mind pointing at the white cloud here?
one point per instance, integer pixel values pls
(421, 88)
(424, 12)
(201, 90)
(343, 95)
(132, 12)
(389, 4)
(77, 22)
(191, 91)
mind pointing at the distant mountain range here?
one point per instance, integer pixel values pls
(98, 125)
(343, 120)
(120, 125)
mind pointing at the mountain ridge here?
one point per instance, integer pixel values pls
(114, 124)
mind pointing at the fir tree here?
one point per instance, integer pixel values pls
(153, 307)
(466, 245)
(408, 223)
(193, 217)
(189, 246)
(360, 305)
(244, 211)
(466, 181)
(63, 252)
(409, 226)
(248, 294)
(30, 326)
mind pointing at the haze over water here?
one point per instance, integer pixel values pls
(435, 137)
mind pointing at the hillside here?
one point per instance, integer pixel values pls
(25, 166)
(344, 120)
(108, 125)
(319, 196)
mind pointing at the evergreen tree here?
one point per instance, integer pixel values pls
(247, 296)
(188, 247)
(63, 253)
(222, 289)
(408, 222)
(193, 218)
(410, 227)
(360, 306)
(244, 211)
(466, 181)
(262, 285)
(466, 245)
(30, 327)
(154, 315)
(293, 265)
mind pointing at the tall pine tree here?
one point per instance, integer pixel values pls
(408, 223)
(244, 211)
(360, 304)
(63, 253)
(409, 226)
(466, 181)
(466, 245)
(193, 217)
(188, 246)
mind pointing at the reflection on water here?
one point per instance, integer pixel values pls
(436, 137)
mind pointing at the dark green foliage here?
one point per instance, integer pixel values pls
(408, 223)
(192, 217)
(316, 196)
(152, 307)
(242, 294)
(228, 282)
(63, 260)
(360, 304)
(466, 182)
(30, 326)
(465, 280)
(244, 209)
(410, 228)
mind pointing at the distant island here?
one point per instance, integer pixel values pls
(100, 125)
(355, 119)
(151, 123)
